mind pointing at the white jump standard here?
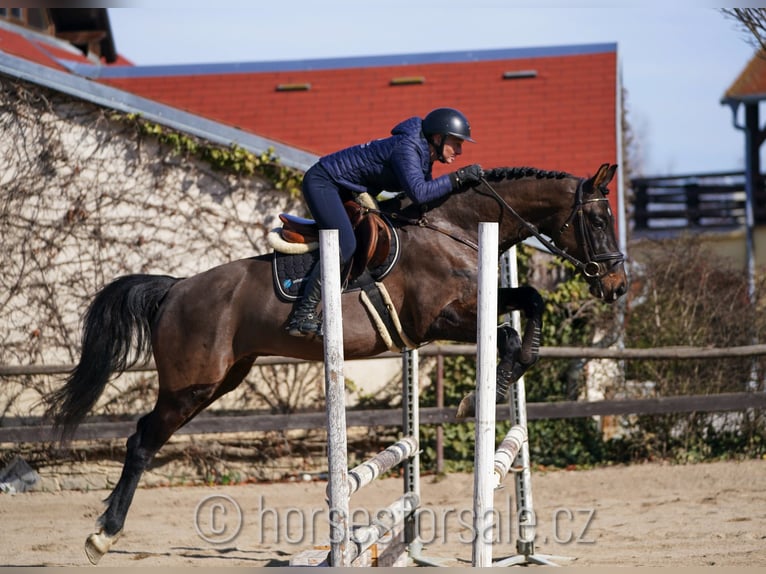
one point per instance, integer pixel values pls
(394, 530)
(385, 540)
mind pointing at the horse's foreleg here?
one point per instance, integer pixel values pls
(516, 354)
(509, 369)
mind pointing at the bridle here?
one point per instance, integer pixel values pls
(595, 264)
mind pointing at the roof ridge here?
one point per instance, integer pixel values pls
(367, 61)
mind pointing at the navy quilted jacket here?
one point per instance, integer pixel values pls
(400, 162)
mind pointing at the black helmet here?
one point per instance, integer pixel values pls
(447, 121)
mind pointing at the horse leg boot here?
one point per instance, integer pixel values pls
(509, 370)
(515, 357)
(305, 319)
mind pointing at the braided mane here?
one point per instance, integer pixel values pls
(500, 173)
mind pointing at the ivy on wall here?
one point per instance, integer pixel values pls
(233, 159)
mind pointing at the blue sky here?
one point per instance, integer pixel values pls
(676, 62)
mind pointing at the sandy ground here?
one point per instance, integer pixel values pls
(641, 515)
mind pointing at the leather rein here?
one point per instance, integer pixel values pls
(592, 267)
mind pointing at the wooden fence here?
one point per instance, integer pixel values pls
(33, 429)
(714, 200)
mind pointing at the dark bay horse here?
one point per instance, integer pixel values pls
(206, 331)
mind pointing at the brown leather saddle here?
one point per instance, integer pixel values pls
(373, 235)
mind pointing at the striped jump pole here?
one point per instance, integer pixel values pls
(507, 452)
(365, 473)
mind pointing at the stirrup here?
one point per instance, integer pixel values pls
(310, 325)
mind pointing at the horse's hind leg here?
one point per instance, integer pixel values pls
(152, 431)
(172, 411)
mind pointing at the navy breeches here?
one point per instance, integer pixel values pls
(323, 197)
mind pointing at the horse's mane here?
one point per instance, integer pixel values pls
(493, 175)
(500, 173)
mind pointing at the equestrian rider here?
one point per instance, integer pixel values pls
(400, 162)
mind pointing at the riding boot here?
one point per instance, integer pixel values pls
(305, 319)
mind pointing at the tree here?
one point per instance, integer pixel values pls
(752, 22)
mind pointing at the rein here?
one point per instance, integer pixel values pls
(422, 221)
(590, 268)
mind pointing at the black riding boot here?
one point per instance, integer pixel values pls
(305, 319)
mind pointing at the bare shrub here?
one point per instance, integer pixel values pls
(686, 295)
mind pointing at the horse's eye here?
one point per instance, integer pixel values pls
(598, 222)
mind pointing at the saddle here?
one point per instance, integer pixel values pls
(373, 236)
(296, 252)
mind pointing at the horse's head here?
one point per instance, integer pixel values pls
(573, 212)
(587, 237)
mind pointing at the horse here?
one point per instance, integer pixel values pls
(206, 331)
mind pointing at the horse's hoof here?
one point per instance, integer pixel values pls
(467, 407)
(99, 544)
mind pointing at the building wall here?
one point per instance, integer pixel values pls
(85, 199)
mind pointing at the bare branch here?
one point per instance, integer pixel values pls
(752, 21)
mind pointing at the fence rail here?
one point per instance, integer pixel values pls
(33, 429)
(714, 200)
(680, 352)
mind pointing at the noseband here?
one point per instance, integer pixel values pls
(595, 264)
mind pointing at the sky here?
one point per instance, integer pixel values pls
(676, 62)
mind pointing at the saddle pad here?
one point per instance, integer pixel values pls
(290, 270)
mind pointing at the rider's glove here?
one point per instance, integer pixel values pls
(467, 177)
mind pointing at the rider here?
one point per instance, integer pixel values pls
(400, 162)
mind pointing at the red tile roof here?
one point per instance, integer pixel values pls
(43, 49)
(22, 46)
(556, 111)
(562, 118)
(751, 82)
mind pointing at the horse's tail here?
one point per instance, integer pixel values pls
(116, 334)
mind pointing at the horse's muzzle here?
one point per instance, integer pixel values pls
(610, 286)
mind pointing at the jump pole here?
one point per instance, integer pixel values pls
(363, 545)
(490, 466)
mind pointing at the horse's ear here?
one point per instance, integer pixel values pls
(604, 175)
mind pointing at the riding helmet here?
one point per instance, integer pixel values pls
(447, 121)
